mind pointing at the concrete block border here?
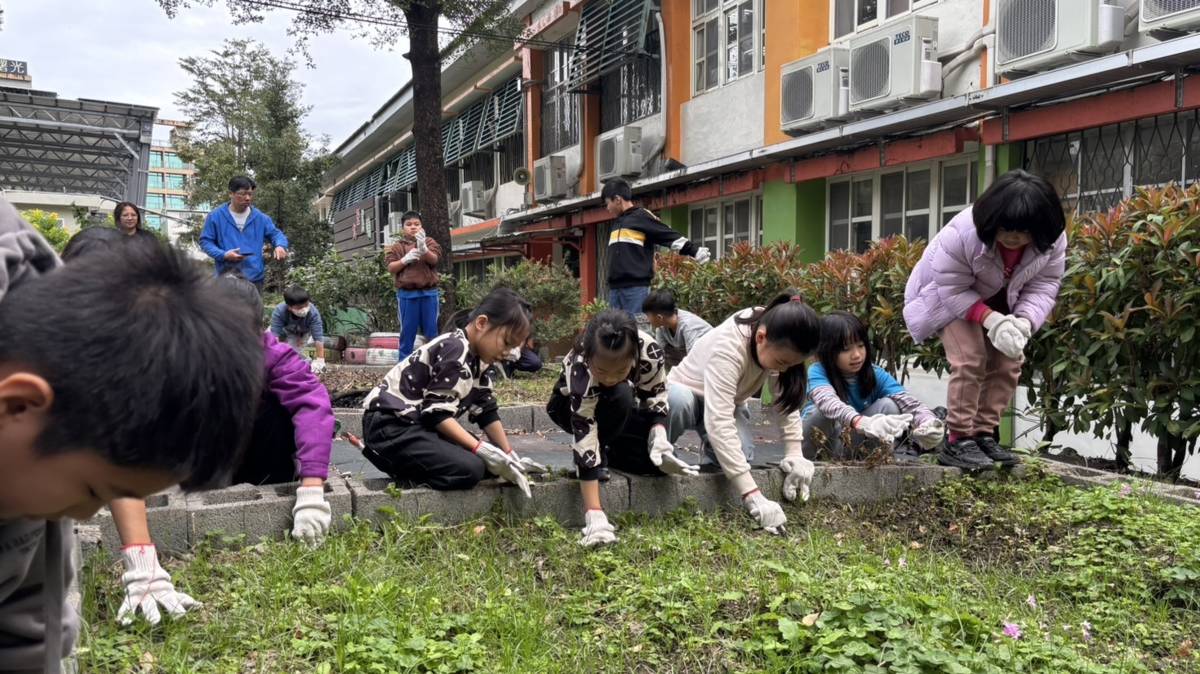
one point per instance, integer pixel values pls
(1090, 478)
(247, 514)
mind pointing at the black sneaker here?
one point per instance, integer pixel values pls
(905, 455)
(965, 454)
(993, 450)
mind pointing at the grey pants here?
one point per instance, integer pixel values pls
(823, 433)
(687, 413)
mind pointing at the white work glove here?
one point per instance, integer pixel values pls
(662, 454)
(1006, 334)
(530, 466)
(411, 256)
(311, 516)
(766, 512)
(147, 585)
(503, 465)
(1023, 325)
(422, 247)
(797, 476)
(703, 255)
(317, 365)
(930, 433)
(885, 427)
(597, 530)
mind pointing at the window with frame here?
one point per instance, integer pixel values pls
(175, 203)
(915, 201)
(560, 108)
(176, 181)
(850, 16)
(156, 160)
(726, 41)
(154, 221)
(154, 181)
(173, 161)
(633, 91)
(155, 201)
(719, 226)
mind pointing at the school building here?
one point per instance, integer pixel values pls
(828, 123)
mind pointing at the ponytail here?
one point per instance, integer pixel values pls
(612, 331)
(790, 323)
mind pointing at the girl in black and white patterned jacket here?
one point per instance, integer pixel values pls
(410, 426)
(612, 398)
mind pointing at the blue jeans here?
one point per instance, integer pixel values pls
(418, 310)
(687, 413)
(629, 299)
(823, 436)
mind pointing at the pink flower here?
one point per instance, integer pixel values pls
(1087, 630)
(1126, 490)
(903, 563)
(1032, 601)
(1012, 630)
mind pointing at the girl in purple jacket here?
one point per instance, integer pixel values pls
(292, 439)
(985, 284)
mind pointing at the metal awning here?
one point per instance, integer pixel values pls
(52, 144)
(610, 34)
(1136, 65)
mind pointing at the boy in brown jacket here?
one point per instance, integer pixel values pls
(413, 262)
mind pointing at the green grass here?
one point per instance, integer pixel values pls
(922, 585)
(527, 389)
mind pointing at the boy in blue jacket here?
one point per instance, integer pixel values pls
(234, 233)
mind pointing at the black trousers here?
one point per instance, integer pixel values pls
(271, 455)
(413, 454)
(623, 432)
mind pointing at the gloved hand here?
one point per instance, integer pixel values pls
(797, 476)
(930, 433)
(597, 530)
(422, 246)
(662, 454)
(1024, 326)
(317, 365)
(530, 466)
(147, 585)
(311, 516)
(411, 256)
(503, 465)
(766, 512)
(703, 255)
(885, 427)
(1006, 334)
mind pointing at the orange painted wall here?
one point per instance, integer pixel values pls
(795, 29)
(677, 21)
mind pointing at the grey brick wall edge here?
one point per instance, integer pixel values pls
(245, 514)
(1082, 476)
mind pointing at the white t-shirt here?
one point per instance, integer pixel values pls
(240, 219)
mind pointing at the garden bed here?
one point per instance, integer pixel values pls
(348, 385)
(975, 576)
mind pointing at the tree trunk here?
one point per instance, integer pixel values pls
(1171, 451)
(422, 18)
(1124, 439)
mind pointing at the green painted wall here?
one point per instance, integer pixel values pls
(676, 218)
(795, 212)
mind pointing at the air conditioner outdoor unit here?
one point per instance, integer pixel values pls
(619, 153)
(550, 177)
(1169, 15)
(894, 64)
(474, 199)
(815, 90)
(1037, 35)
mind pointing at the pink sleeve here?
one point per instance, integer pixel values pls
(978, 312)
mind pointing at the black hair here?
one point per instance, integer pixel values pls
(660, 302)
(504, 308)
(409, 215)
(613, 331)
(787, 320)
(151, 324)
(616, 188)
(1020, 202)
(92, 239)
(242, 183)
(245, 292)
(121, 207)
(295, 295)
(839, 330)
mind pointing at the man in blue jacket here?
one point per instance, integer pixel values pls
(234, 233)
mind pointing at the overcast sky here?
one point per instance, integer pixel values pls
(128, 51)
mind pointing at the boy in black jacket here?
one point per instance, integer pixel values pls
(631, 247)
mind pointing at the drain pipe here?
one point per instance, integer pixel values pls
(662, 91)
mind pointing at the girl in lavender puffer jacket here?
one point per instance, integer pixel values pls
(985, 284)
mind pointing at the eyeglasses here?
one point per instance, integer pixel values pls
(244, 193)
